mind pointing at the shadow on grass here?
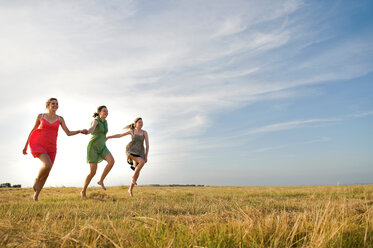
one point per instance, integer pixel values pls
(101, 197)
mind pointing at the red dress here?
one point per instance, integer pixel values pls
(44, 139)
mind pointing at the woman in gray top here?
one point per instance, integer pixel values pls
(137, 155)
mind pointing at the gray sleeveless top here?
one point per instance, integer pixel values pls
(136, 145)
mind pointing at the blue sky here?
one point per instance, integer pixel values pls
(231, 93)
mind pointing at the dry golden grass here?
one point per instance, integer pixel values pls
(309, 216)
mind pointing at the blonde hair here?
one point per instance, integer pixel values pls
(49, 101)
(132, 125)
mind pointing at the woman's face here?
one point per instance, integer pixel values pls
(139, 124)
(53, 105)
(103, 113)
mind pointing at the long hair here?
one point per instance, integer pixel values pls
(98, 110)
(133, 125)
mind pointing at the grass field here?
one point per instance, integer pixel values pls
(309, 216)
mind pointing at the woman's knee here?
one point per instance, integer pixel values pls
(92, 173)
(93, 170)
(138, 160)
(140, 165)
(47, 165)
(110, 159)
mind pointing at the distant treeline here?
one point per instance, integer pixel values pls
(8, 185)
(176, 185)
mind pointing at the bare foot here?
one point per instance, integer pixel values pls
(101, 184)
(130, 191)
(35, 187)
(35, 196)
(82, 194)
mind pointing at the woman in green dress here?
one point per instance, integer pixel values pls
(97, 150)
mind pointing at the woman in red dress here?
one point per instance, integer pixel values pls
(43, 142)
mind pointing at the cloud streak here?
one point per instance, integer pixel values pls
(266, 149)
(288, 125)
(282, 126)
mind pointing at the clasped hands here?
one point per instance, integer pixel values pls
(84, 131)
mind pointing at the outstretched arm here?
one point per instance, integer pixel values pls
(93, 127)
(119, 135)
(67, 131)
(147, 146)
(37, 123)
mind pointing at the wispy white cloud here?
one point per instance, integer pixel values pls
(311, 123)
(270, 148)
(362, 114)
(288, 125)
(229, 27)
(232, 74)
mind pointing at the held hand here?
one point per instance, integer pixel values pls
(25, 151)
(84, 131)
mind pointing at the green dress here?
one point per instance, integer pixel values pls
(97, 150)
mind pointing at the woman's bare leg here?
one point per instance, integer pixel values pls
(43, 175)
(88, 179)
(139, 164)
(110, 162)
(134, 165)
(132, 184)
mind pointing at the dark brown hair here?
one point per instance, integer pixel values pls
(49, 101)
(99, 110)
(132, 125)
